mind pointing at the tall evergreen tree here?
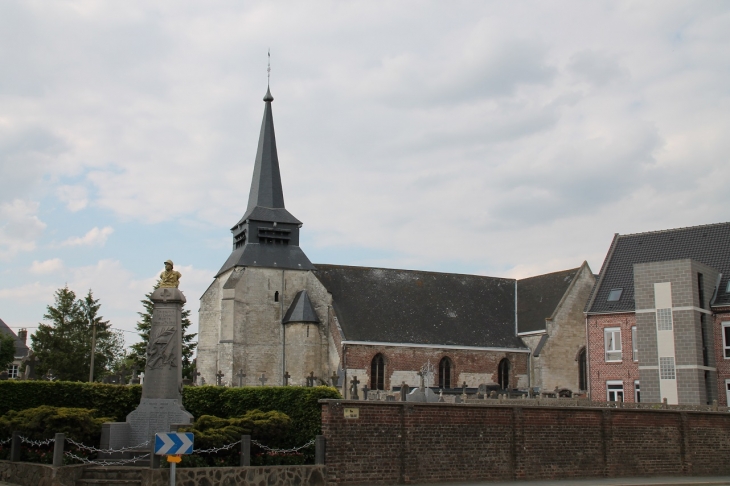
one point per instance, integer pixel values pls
(139, 350)
(64, 344)
(7, 351)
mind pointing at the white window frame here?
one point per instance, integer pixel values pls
(725, 339)
(613, 331)
(634, 345)
(727, 390)
(614, 383)
(13, 371)
(637, 391)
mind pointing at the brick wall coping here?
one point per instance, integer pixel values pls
(496, 404)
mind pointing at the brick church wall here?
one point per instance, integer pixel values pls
(402, 363)
(394, 442)
(600, 371)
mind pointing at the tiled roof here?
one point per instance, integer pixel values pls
(406, 306)
(537, 298)
(708, 244)
(20, 348)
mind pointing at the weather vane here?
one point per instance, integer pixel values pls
(268, 70)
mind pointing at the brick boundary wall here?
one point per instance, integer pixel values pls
(402, 443)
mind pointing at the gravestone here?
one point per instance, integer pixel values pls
(422, 395)
(160, 409)
(286, 378)
(3, 375)
(373, 395)
(403, 391)
(353, 388)
(30, 362)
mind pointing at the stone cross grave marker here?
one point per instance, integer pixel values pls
(403, 391)
(30, 363)
(310, 379)
(196, 374)
(353, 388)
(365, 391)
(219, 378)
(286, 378)
(241, 375)
(263, 379)
(428, 371)
(335, 379)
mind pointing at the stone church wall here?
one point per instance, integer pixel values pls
(567, 335)
(396, 443)
(402, 363)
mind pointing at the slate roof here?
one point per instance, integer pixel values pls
(537, 298)
(708, 244)
(407, 306)
(301, 309)
(20, 348)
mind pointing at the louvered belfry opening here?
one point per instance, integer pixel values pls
(377, 373)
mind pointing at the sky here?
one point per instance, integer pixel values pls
(507, 139)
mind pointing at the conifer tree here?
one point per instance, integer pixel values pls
(7, 351)
(64, 344)
(139, 350)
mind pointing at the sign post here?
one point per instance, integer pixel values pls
(173, 445)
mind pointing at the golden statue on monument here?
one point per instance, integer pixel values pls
(169, 278)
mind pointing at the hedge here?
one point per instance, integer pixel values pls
(299, 403)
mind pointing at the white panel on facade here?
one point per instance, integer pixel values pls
(665, 342)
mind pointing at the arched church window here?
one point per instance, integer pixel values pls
(445, 373)
(377, 373)
(582, 370)
(503, 373)
(276, 296)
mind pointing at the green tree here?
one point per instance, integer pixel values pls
(139, 350)
(64, 344)
(7, 351)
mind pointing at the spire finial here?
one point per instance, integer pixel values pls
(268, 96)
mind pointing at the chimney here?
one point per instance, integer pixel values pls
(23, 335)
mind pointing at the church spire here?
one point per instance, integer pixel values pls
(266, 188)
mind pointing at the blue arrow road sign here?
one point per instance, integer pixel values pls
(173, 443)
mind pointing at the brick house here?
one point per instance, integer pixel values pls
(658, 319)
(271, 316)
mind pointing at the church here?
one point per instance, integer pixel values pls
(271, 317)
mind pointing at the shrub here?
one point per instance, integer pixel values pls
(79, 424)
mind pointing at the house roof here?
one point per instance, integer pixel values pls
(708, 244)
(20, 348)
(407, 306)
(537, 298)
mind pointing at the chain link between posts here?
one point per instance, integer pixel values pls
(6, 441)
(105, 451)
(37, 443)
(216, 449)
(283, 451)
(105, 462)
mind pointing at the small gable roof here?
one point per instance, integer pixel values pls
(20, 347)
(708, 244)
(301, 309)
(428, 308)
(537, 298)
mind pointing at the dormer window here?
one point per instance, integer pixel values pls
(614, 295)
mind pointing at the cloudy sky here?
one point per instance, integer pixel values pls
(496, 138)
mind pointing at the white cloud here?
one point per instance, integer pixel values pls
(47, 266)
(19, 227)
(75, 197)
(33, 292)
(95, 237)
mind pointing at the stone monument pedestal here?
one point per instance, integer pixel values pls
(160, 409)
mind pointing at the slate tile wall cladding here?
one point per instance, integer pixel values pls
(399, 358)
(411, 443)
(599, 370)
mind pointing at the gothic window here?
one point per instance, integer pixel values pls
(582, 370)
(377, 373)
(503, 374)
(445, 373)
(276, 296)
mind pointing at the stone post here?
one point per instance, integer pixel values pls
(58, 450)
(245, 450)
(15, 447)
(319, 449)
